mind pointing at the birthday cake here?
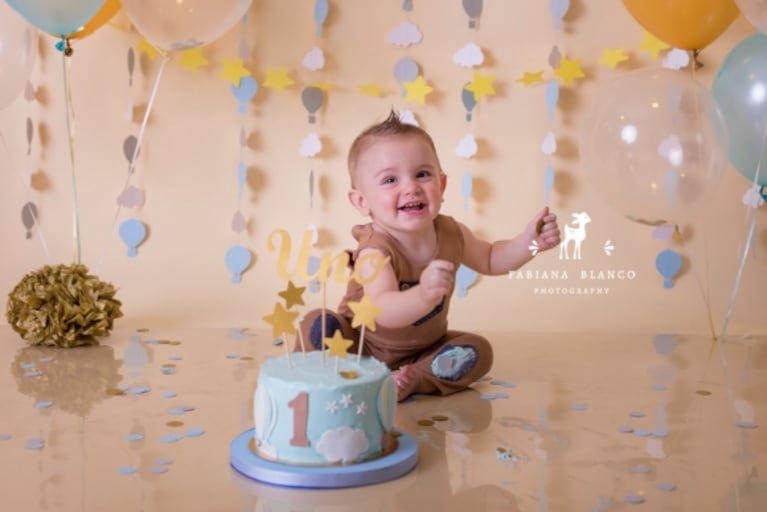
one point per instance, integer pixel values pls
(314, 410)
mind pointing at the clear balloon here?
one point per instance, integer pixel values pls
(654, 145)
(18, 48)
(56, 17)
(740, 88)
(755, 11)
(181, 24)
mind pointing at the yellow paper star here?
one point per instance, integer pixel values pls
(481, 86)
(281, 320)
(529, 78)
(365, 313)
(277, 79)
(193, 59)
(325, 86)
(293, 295)
(371, 90)
(147, 48)
(569, 70)
(417, 90)
(612, 58)
(337, 345)
(653, 45)
(234, 71)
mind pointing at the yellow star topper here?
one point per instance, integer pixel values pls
(293, 295)
(278, 79)
(371, 89)
(147, 48)
(193, 59)
(234, 71)
(337, 345)
(281, 321)
(417, 90)
(481, 86)
(529, 78)
(653, 45)
(613, 57)
(365, 313)
(569, 70)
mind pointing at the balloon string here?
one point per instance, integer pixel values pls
(137, 147)
(71, 136)
(40, 234)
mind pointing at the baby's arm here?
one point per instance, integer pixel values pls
(504, 255)
(400, 308)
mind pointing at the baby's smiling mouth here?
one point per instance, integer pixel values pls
(414, 206)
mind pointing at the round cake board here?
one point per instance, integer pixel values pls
(383, 469)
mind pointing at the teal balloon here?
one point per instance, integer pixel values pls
(57, 17)
(740, 88)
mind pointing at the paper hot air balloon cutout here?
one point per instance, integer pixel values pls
(464, 279)
(469, 101)
(668, 263)
(406, 70)
(552, 98)
(312, 98)
(559, 9)
(29, 217)
(473, 9)
(245, 92)
(320, 14)
(238, 259)
(133, 233)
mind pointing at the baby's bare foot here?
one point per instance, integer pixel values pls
(404, 380)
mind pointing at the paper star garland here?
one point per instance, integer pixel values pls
(417, 90)
(234, 71)
(529, 78)
(569, 70)
(365, 313)
(278, 79)
(612, 58)
(481, 86)
(372, 90)
(293, 295)
(281, 321)
(147, 48)
(653, 45)
(193, 59)
(337, 345)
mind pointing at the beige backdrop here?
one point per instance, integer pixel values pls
(188, 168)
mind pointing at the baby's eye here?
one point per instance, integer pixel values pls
(423, 173)
(388, 180)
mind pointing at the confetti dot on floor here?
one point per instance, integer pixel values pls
(195, 432)
(158, 470)
(233, 356)
(660, 433)
(579, 407)
(658, 387)
(46, 359)
(174, 423)
(494, 396)
(127, 470)
(34, 443)
(665, 486)
(135, 437)
(171, 438)
(168, 371)
(641, 469)
(625, 429)
(27, 366)
(746, 424)
(32, 373)
(176, 411)
(186, 408)
(503, 384)
(175, 358)
(163, 461)
(703, 392)
(5, 437)
(637, 414)
(169, 394)
(140, 390)
(425, 423)
(439, 417)
(633, 498)
(640, 432)
(44, 404)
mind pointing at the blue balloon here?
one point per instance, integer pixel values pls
(740, 88)
(56, 17)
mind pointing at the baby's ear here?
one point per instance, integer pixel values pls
(358, 201)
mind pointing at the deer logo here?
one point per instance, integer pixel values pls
(576, 234)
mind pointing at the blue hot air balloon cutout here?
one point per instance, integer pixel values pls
(548, 184)
(464, 278)
(473, 9)
(467, 184)
(245, 92)
(320, 14)
(405, 70)
(132, 232)
(242, 176)
(668, 263)
(312, 98)
(407, 5)
(469, 101)
(558, 10)
(237, 260)
(552, 98)
(312, 266)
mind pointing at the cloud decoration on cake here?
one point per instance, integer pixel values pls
(344, 444)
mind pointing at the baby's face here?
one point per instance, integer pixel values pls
(398, 182)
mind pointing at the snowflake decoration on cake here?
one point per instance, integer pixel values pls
(362, 408)
(332, 407)
(346, 400)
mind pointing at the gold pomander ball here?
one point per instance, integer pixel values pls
(62, 306)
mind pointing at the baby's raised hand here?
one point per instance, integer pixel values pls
(436, 281)
(545, 230)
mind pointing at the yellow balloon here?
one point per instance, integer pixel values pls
(684, 24)
(107, 11)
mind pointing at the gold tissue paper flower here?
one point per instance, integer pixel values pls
(62, 306)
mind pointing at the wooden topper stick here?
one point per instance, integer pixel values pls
(301, 340)
(322, 334)
(362, 341)
(287, 350)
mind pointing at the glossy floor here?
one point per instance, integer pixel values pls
(565, 423)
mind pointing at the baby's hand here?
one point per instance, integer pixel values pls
(436, 281)
(545, 230)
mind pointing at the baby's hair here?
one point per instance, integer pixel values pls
(392, 125)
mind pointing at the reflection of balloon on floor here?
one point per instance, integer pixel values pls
(668, 263)
(29, 217)
(740, 88)
(238, 259)
(469, 101)
(405, 70)
(132, 232)
(654, 145)
(312, 98)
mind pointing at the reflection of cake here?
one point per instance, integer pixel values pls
(308, 413)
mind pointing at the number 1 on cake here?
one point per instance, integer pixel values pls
(365, 313)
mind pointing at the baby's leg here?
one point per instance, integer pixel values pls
(454, 363)
(311, 329)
